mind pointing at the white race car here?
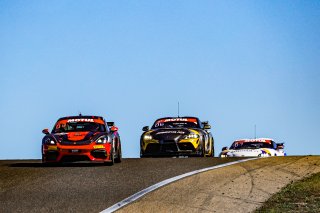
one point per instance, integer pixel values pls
(260, 147)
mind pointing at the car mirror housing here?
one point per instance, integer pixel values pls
(280, 145)
(145, 128)
(207, 126)
(45, 131)
(110, 123)
(224, 148)
(114, 129)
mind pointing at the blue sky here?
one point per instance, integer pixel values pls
(234, 63)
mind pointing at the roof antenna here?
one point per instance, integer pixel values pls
(178, 110)
(255, 131)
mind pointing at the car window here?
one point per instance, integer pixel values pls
(79, 127)
(176, 123)
(250, 145)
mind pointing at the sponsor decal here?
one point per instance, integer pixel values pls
(193, 120)
(98, 147)
(52, 148)
(175, 119)
(267, 151)
(257, 140)
(61, 133)
(170, 132)
(247, 150)
(80, 120)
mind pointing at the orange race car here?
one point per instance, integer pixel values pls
(82, 138)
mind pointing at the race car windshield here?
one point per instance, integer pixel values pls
(250, 145)
(174, 125)
(79, 127)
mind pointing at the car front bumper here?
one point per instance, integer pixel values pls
(91, 152)
(171, 148)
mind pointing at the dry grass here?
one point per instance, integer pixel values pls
(301, 196)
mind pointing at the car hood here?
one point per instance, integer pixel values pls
(169, 133)
(75, 136)
(243, 152)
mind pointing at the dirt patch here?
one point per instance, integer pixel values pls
(237, 188)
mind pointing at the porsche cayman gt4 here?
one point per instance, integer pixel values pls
(82, 138)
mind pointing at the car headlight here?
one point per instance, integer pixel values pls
(147, 137)
(192, 135)
(102, 140)
(49, 141)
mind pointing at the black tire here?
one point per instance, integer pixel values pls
(141, 153)
(47, 164)
(110, 163)
(212, 151)
(203, 151)
(204, 154)
(50, 164)
(119, 155)
(212, 148)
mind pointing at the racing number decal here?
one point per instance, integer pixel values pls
(238, 144)
(159, 124)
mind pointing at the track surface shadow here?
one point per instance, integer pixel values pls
(65, 164)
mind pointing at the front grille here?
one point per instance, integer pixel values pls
(164, 146)
(169, 147)
(186, 146)
(169, 141)
(73, 158)
(99, 154)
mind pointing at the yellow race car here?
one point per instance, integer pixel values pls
(177, 136)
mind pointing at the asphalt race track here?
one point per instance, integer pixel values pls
(28, 186)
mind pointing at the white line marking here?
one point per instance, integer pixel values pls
(143, 192)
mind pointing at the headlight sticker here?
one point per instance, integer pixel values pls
(98, 147)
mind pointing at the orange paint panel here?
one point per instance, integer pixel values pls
(77, 136)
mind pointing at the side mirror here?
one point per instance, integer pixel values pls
(114, 129)
(145, 128)
(45, 131)
(280, 145)
(207, 126)
(224, 148)
(110, 123)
